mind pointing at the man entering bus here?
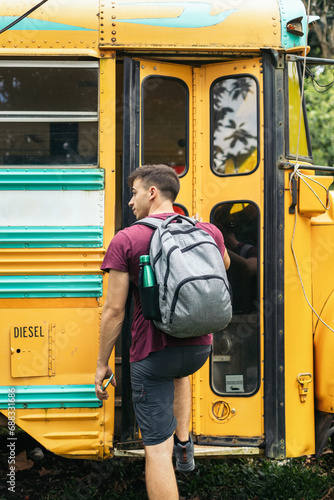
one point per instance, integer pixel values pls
(160, 364)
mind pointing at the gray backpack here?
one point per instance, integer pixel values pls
(193, 290)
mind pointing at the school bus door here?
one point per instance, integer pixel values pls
(205, 122)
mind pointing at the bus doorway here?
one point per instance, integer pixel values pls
(205, 122)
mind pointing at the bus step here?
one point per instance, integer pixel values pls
(202, 451)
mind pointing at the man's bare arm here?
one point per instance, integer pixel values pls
(111, 326)
(226, 259)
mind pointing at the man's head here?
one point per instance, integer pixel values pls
(152, 186)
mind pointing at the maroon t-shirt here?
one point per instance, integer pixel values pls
(123, 255)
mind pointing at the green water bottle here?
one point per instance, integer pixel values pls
(148, 290)
(147, 273)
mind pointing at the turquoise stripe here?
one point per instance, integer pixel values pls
(49, 396)
(51, 237)
(292, 9)
(38, 25)
(194, 15)
(50, 286)
(35, 179)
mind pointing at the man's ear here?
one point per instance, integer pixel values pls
(153, 192)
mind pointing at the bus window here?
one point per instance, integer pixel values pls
(235, 356)
(294, 112)
(180, 209)
(234, 125)
(49, 113)
(165, 123)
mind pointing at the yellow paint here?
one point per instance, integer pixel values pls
(37, 41)
(324, 348)
(29, 347)
(246, 413)
(46, 260)
(313, 195)
(298, 336)
(259, 25)
(322, 231)
(72, 325)
(107, 140)
(245, 419)
(57, 11)
(74, 351)
(106, 26)
(72, 433)
(184, 73)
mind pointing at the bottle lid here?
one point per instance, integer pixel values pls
(144, 258)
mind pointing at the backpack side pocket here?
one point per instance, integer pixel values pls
(149, 298)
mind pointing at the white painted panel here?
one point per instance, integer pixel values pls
(51, 208)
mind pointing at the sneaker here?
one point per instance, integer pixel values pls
(184, 456)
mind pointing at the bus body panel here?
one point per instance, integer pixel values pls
(84, 26)
(298, 339)
(230, 116)
(322, 288)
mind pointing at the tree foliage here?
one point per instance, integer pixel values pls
(321, 37)
(319, 96)
(319, 93)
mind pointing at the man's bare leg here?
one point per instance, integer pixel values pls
(160, 477)
(182, 407)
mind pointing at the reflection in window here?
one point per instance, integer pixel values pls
(234, 129)
(48, 143)
(48, 112)
(164, 123)
(235, 357)
(294, 112)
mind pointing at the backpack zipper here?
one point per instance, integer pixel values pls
(175, 247)
(190, 247)
(183, 282)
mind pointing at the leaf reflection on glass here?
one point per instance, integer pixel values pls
(234, 107)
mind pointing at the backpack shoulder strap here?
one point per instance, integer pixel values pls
(154, 223)
(151, 222)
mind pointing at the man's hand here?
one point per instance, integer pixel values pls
(103, 373)
(197, 217)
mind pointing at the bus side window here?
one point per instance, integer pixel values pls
(236, 349)
(49, 113)
(165, 122)
(293, 73)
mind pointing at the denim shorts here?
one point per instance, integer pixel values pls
(153, 388)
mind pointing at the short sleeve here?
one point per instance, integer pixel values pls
(215, 233)
(118, 254)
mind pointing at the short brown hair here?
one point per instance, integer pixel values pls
(161, 176)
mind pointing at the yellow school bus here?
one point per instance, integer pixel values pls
(89, 91)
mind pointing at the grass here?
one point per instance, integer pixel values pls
(55, 477)
(263, 479)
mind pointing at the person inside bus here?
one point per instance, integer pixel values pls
(238, 223)
(160, 364)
